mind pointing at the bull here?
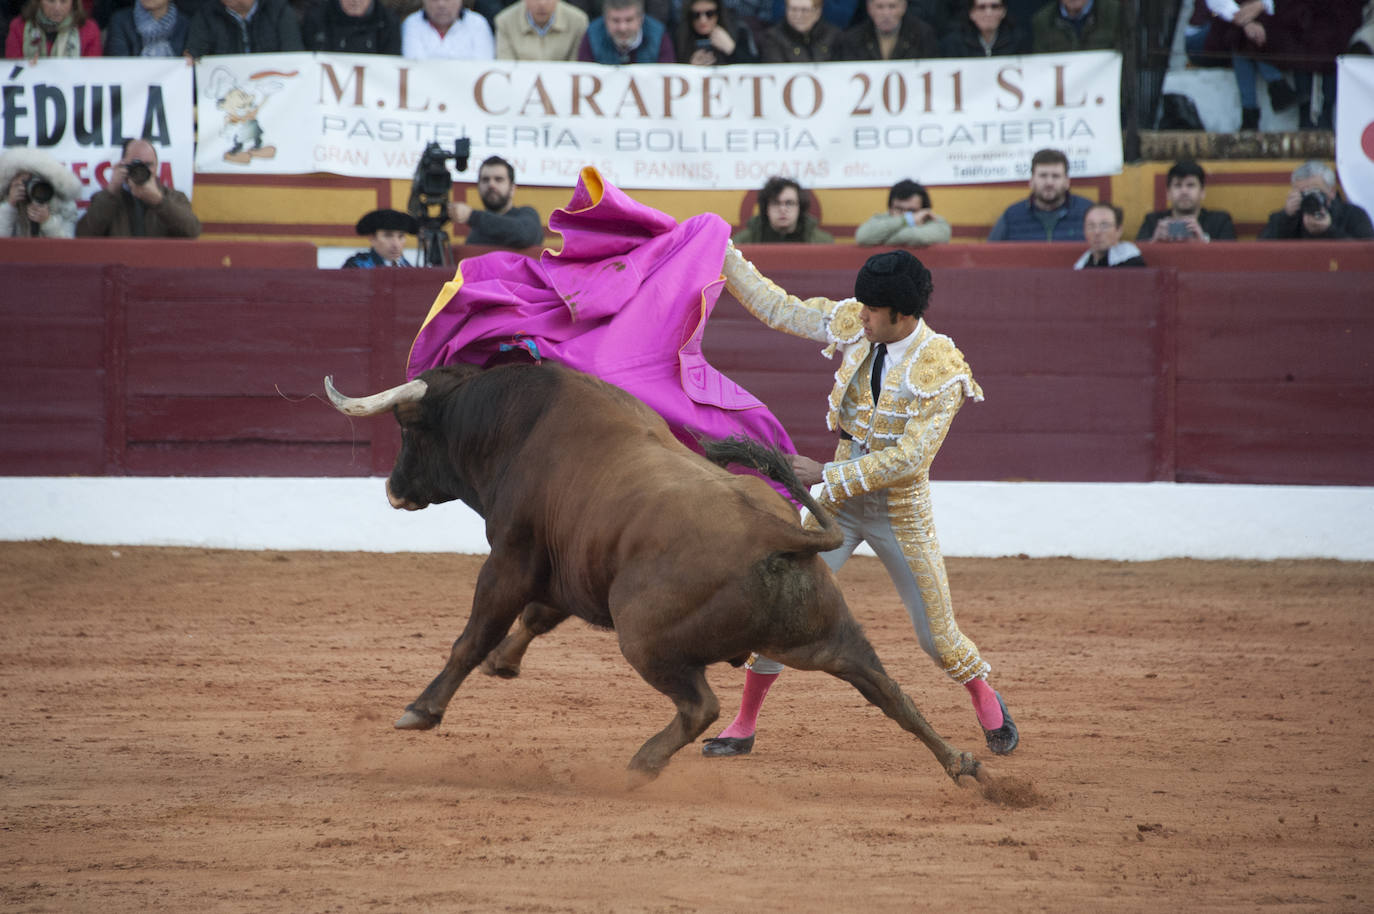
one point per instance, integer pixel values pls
(594, 509)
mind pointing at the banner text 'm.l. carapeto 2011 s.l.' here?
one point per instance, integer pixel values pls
(659, 126)
(649, 126)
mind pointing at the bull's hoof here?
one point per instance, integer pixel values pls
(417, 720)
(636, 778)
(494, 667)
(964, 764)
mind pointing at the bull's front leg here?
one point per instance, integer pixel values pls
(536, 620)
(499, 597)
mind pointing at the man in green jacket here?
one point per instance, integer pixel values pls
(1077, 25)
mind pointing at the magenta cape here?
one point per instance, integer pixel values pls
(626, 300)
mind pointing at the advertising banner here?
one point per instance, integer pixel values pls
(81, 111)
(660, 126)
(1355, 129)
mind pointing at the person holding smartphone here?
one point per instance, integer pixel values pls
(1185, 219)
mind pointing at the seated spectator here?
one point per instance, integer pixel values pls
(1077, 25)
(1185, 219)
(443, 30)
(1102, 228)
(500, 223)
(1314, 210)
(387, 230)
(909, 220)
(135, 204)
(801, 37)
(1319, 30)
(149, 28)
(889, 34)
(708, 36)
(756, 15)
(784, 216)
(52, 28)
(986, 31)
(1051, 213)
(539, 30)
(352, 27)
(1246, 33)
(244, 27)
(40, 195)
(623, 34)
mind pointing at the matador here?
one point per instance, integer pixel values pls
(898, 388)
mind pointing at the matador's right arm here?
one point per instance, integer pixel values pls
(819, 319)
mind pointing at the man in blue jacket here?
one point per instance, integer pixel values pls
(1051, 213)
(623, 34)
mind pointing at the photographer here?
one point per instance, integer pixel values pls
(40, 196)
(135, 204)
(500, 223)
(1185, 219)
(1313, 210)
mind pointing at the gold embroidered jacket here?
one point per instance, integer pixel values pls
(894, 440)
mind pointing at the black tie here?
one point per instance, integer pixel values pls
(879, 355)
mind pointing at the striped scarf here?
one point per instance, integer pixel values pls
(66, 42)
(155, 33)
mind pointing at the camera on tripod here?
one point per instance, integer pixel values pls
(429, 191)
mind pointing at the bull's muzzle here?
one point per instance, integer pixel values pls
(409, 392)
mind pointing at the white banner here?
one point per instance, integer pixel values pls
(1355, 129)
(82, 110)
(658, 126)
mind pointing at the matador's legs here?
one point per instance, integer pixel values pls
(901, 532)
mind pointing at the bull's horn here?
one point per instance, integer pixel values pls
(408, 392)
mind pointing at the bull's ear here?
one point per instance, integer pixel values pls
(410, 414)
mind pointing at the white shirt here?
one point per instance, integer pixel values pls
(469, 38)
(1227, 9)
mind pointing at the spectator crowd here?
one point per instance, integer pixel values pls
(1287, 45)
(1284, 47)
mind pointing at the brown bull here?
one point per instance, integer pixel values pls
(593, 509)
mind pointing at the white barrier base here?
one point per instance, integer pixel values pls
(1125, 521)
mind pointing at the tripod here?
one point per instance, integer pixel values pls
(435, 248)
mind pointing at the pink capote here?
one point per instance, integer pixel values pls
(626, 300)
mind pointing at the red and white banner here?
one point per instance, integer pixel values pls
(658, 126)
(1355, 129)
(81, 111)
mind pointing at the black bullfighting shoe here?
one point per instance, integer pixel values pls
(1004, 739)
(727, 746)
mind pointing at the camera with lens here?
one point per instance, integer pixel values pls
(139, 172)
(429, 197)
(1313, 202)
(38, 190)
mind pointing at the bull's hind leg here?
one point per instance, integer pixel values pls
(697, 709)
(497, 600)
(849, 656)
(537, 619)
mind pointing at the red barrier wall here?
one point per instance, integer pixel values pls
(1120, 375)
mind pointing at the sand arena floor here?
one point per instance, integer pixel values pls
(210, 731)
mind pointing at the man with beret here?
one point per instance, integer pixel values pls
(387, 230)
(897, 390)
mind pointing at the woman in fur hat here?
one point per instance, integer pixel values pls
(40, 196)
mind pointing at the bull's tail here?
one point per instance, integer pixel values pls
(771, 462)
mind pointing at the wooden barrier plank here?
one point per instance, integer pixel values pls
(247, 459)
(224, 419)
(1275, 457)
